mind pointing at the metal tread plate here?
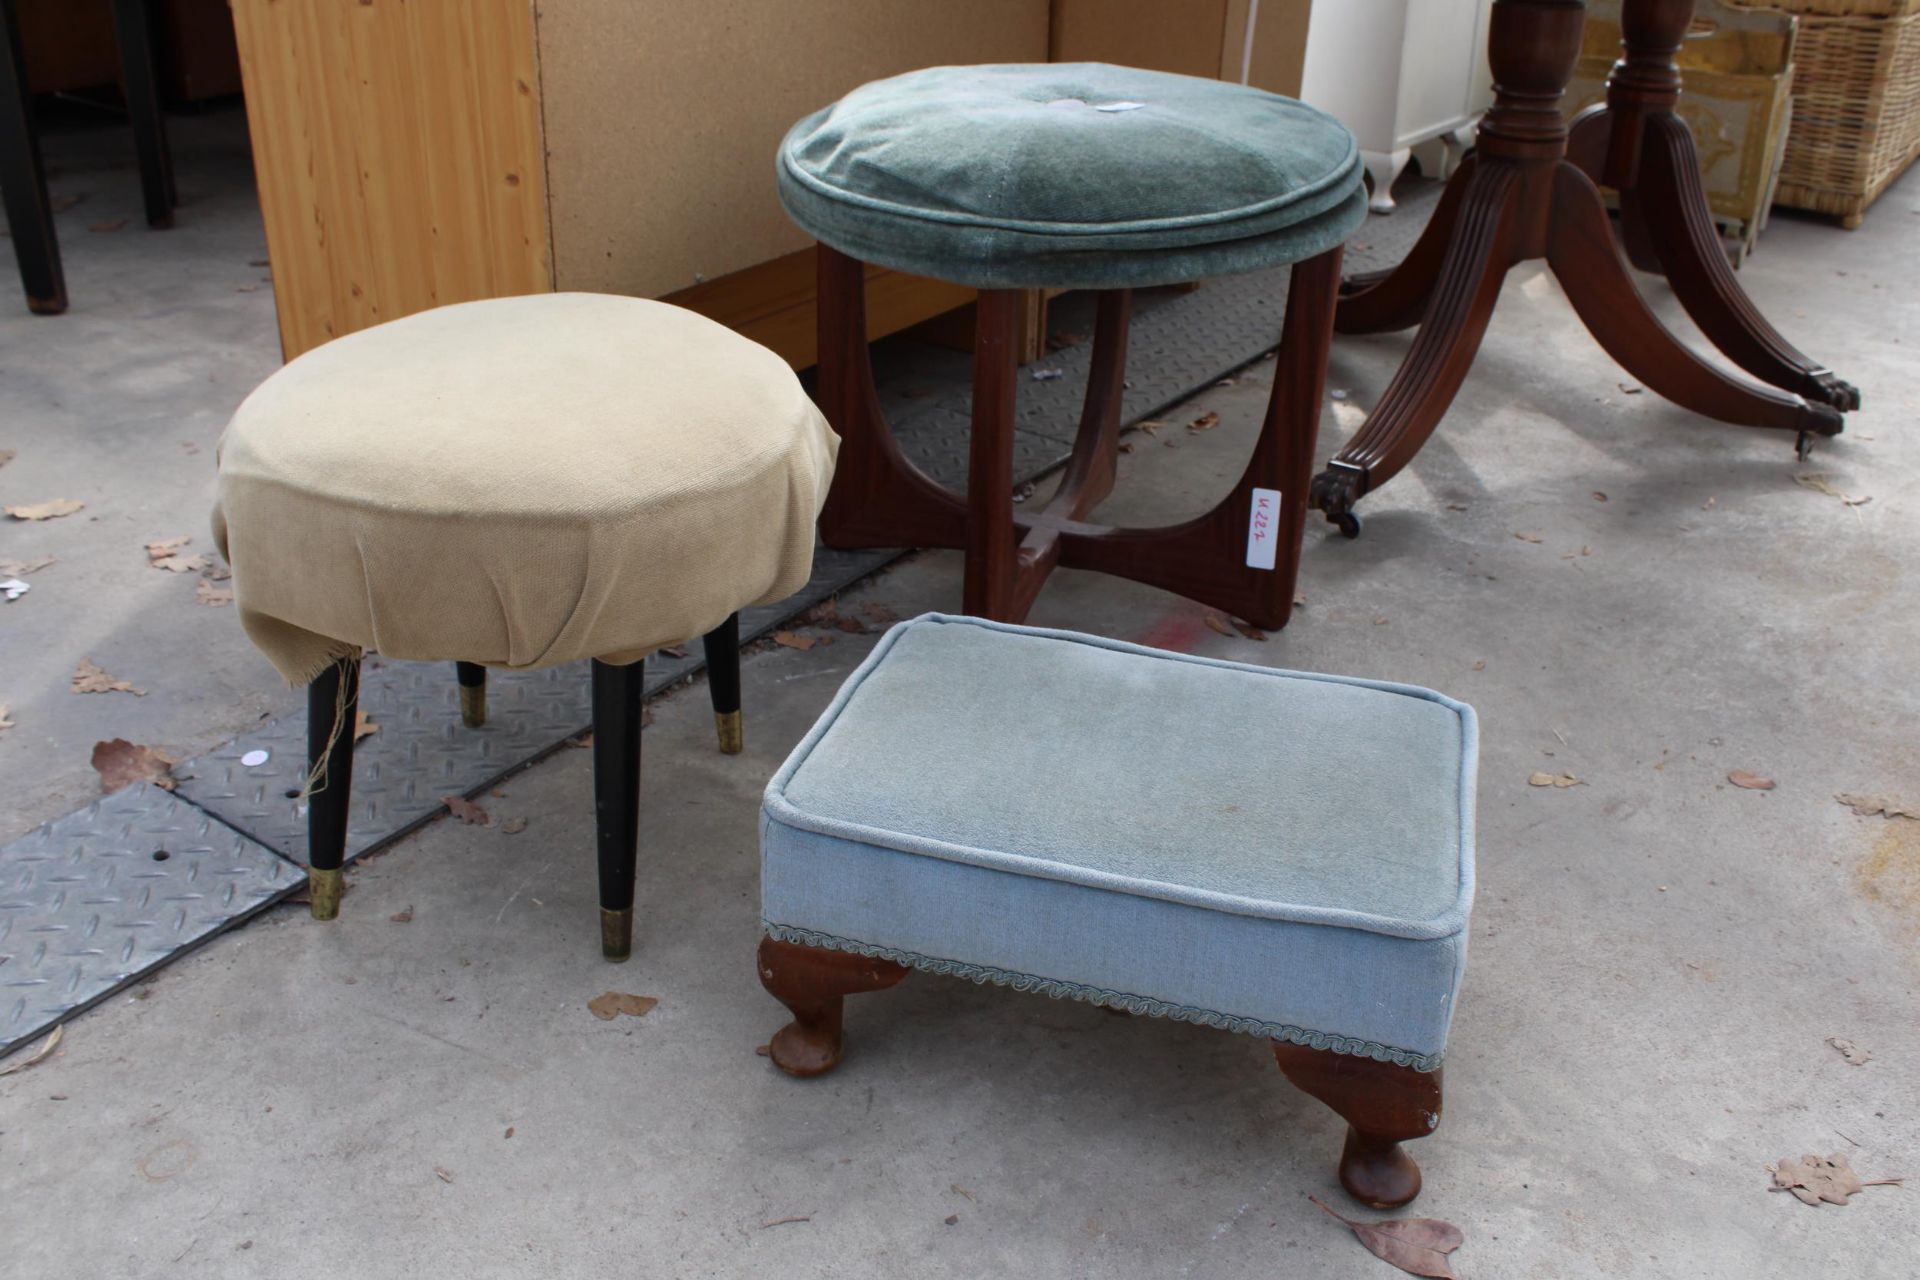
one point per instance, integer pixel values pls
(103, 896)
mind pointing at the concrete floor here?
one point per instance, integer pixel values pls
(1658, 957)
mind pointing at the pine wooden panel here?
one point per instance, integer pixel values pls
(397, 147)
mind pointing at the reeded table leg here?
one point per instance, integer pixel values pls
(723, 682)
(813, 983)
(1383, 1105)
(332, 699)
(1529, 194)
(616, 798)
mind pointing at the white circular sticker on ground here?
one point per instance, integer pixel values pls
(253, 759)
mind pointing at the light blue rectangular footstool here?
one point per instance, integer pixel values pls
(1270, 852)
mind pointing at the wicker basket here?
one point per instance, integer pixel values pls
(1856, 103)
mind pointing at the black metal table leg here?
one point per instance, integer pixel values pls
(723, 682)
(23, 180)
(332, 699)
(616, 797)
(133, 30)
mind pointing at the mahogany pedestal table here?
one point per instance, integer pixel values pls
(1080, 176)
(1529, 191)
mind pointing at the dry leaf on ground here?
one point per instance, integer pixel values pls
(213, 597)
(1528, 537)
(1749, 781)
(403, 916)
(1205, 422)
(467, 811)
(1821, 482)
(852, 626)
(181, 564)
(364, 725)
(21, 568)
(674, 650)
(1247, 629)
(1628, 388)
(1554, 780)
(119, 763)
(1418, 1246)
(442, 1174)
(39, 1055)
(1868, 806)
(166, 548)
(878, 614)
(793, 640)
(1599, 496)
(514, 826)
(1853, 1053)
(5, 723)
(46, 510)
(614, 1003)
(214, 571)
(1812, 1179)
(1218, 625)
(88, 678)
(111, 224)
(1125, 446)
(6, 456)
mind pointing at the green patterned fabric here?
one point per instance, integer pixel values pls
(1071, 175)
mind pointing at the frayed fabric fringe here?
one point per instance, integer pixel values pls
(349, 679)
(1142, 1005)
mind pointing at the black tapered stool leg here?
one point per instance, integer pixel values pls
(332, 699)
(616, 797)
(473, 693)
(23, 180)
(723, 682)
(133, 31)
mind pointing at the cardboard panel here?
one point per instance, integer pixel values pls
(662, 118)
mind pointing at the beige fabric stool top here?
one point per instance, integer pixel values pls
(518, 482)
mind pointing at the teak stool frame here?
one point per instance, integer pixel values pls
(1528, 191)
(1383, 1103)
(880, 499)
(334, 696)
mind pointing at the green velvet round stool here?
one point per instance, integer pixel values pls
(1072, 176)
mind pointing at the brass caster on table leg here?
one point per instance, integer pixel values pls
(733, 738)
(323, 892)
(616, 934)
(1334, 492)
(473, 705)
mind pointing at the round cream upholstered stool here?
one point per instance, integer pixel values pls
(518, 483)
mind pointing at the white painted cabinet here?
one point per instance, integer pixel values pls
(1401, 74)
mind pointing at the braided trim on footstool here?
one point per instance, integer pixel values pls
(1144, 1006)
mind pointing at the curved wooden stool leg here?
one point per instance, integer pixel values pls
(722, 645)
(1477, 259)
(1385, 301)
(1672, 197)
(1383, 1105)
(1581, 251)
(813, 983)
(332, 699)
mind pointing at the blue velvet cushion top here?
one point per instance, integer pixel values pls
(1274, 852)
(1070, 175)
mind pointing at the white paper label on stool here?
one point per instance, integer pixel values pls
(254, 759)
(1263, 528)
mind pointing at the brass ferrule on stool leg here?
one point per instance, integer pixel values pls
(473, 705)
(616, 933)
(733, 738)
(323, 892)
